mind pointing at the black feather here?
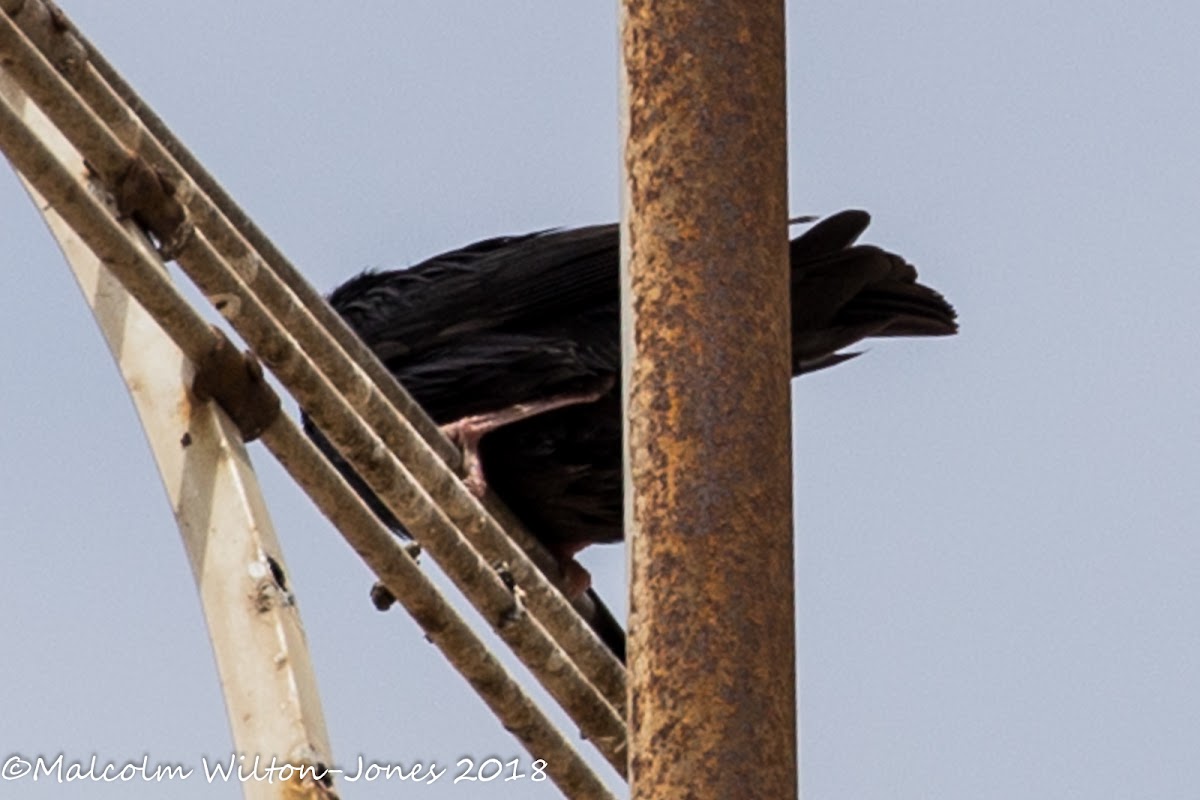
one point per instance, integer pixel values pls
(516, 319)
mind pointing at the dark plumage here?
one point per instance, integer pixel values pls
(520, 319)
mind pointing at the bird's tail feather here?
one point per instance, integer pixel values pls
(843, 292)
(912, 309)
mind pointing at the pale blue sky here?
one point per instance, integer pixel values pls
(998, 562)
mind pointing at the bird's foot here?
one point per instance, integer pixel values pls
(466, 433)
(576, 579)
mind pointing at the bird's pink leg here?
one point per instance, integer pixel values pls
(467, 431)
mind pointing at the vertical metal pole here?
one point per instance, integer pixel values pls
(712, 708)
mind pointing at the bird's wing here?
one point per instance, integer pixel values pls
(485, 286)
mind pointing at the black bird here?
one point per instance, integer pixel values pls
(513, 345)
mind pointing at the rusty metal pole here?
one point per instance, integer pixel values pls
(712, 708)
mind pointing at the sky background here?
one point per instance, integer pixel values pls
(998, 567)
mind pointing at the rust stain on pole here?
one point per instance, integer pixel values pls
(712, 708)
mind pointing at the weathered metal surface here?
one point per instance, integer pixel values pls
(712, 709)
(134, 263)
(276, 288)
(257, 636)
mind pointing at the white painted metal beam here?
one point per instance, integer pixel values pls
(257, 636)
